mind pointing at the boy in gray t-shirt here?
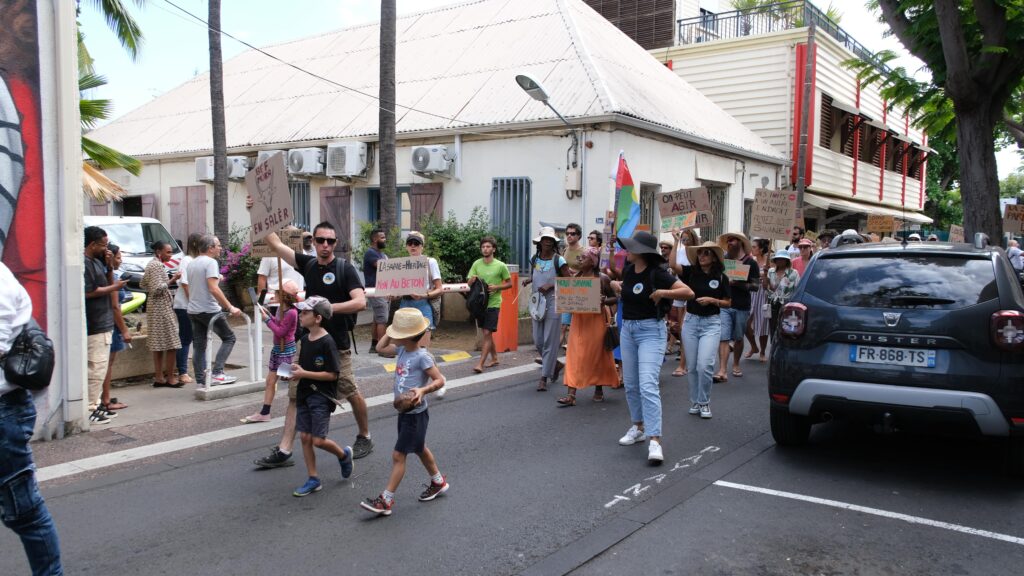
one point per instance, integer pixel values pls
(416, 375)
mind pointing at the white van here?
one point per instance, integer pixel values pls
(134, 235)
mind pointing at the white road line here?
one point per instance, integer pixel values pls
(150, 450)
(876, 512)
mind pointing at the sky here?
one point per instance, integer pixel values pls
(175, 45)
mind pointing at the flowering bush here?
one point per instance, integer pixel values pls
(237, 264)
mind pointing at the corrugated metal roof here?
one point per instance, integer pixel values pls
(457, 62)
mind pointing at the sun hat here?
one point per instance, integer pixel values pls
(782, 255)
(723, 240)
(933, 237)
(416, 236)
(318, 304)
(641, 243)
(915, 237)
(805, 242)
(408, 322)
(691, 251)
(546, 232)
(666, 238)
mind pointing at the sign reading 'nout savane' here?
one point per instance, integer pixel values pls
(578, 295)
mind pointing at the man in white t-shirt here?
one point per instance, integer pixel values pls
(266, 275)
(1013, 252)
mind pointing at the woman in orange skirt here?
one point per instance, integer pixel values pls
(588, 362)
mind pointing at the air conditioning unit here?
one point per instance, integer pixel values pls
(306, 161)
(346, 159)
(237, 167)
(430, 159)
(204, 169)
(263, 155)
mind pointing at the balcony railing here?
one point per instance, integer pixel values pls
(764, 20)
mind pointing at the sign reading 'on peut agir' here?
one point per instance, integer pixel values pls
(402, 276)
(267, 184)
(686, 208)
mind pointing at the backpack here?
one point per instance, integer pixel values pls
(350, 318)
(476, 300)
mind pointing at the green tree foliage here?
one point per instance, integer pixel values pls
(456, 245)
(1013, 185)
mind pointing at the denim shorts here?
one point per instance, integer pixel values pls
(412, 432)
(313, 415)
(566, 319)
(734, 324)
(116, 341)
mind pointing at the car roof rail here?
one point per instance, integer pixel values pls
(981, 240)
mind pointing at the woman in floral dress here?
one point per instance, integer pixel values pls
(161, 323)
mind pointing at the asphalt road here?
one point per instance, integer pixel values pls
(547, 490)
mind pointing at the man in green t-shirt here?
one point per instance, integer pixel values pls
(494, 273)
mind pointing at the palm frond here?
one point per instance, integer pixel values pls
(120, 21)
(90, 80)
(107, 157)
(85, 61)
(92, 111)
(98, 186)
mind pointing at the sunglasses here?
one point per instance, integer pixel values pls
(413, 242)
(704, 252)
(572, 233)
(328, 241)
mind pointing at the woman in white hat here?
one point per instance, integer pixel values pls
(546, 265)
(702, 331)
(781, 283)
(644, 286)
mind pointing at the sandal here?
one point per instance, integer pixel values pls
(762, 358)
(679, 372)
(719, 379)
(542, 386)
(598, 397)
(113, 404)
(478, 370)
(737, 373)
(491, 364)
(567, 400)
(749, 353)
(160, 384)
(558, 370)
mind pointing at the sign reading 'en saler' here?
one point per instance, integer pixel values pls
(402, 276)
(582, 295)
(774, 214)
(267, 185)
(686, 208)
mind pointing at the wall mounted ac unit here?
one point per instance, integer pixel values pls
(263, 155)
(430, 159)
(237, 167)
(204, 169)
(306, 161)
(346, 159)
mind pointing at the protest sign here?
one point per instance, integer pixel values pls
(736, 271)
(956, 233)
(686, 208)
(290, 235)
(402, 276)
(811, 235)
(578, 295)
(608, 246)
(881, 224)
(773, 215)
(267, 185)
(1013, 219)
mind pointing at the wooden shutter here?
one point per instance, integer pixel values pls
(177, 207)
(425, 199)
(149, 206)
(98, 207)
(826, 129)
(336, 208)
(650, 23)
(196, 206)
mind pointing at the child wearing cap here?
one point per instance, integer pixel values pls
(415, 372)
(317, 373)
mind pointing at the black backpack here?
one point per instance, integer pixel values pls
(350, 318)
(476, 300)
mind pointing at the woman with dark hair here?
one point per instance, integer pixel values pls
(546, 265)
(161, 324)
(644, 291)
(588, 362)
(181, 307)
(781, 284)
(702, 330)
(757, 326)
(677, 259)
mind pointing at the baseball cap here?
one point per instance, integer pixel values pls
(415, 236)
(318, 304)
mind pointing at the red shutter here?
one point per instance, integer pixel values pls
(336, 208)
(425, 199)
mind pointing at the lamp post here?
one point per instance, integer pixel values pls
(537, 92)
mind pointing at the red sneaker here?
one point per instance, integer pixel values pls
(434, 490)
(377, 505)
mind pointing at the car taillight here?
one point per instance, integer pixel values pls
(794, 320)
(1007, 327)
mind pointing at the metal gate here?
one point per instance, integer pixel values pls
(510, 216)
(718, 196)
(300, 203)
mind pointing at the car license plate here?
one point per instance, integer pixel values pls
(894, 356)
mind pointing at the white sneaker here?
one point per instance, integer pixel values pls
(705, 411)
(654, 455)
(633, 435)
(440, 392)
(219, 379)
(695, 409)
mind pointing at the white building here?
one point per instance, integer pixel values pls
(456, 88)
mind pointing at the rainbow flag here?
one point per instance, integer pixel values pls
(627, 201)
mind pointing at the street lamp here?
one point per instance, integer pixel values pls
(537, 92)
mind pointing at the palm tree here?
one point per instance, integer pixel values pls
(220, 147)
(386, 131)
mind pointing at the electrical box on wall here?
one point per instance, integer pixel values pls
(573, 180)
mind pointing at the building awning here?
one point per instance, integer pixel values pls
(826, 202)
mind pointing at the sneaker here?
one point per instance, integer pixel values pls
(694, 409)
(439, 394)
(362, 447)
(276, 459)
(378, 505)
(311, 485)
(98, 416)
(257, 417)
(633, 435)
(346, 463)
(222, 378)
(434, 490)
(654, 454)
(705, 411)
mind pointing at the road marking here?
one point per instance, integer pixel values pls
(876, 512)
(461, 355)
(638, 489)
(198, 440)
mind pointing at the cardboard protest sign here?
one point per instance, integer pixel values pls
(608, 246)
(267, 184)
(881, 224)
(686, 208)
(402, 276)
(290, 235)
(1013, 219)
(774, 214)
(736, 271)
(578, 295)
(811, 235)
(956, 233)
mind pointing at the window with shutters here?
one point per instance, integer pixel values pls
(871, 145)
(403, 208)
(510, 216)
(650, 23)
(299, 190)
(717, 194)
(836, 128)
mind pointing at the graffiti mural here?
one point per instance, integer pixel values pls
(22, 207)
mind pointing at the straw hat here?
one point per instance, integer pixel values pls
(724, 239)
(546, 232)
(691, 251)
(667, 238)
(642, 243)
(408, 322)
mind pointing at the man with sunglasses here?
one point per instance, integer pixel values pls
(574, 255)
(336, 280)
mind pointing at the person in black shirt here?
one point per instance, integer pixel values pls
(734, 318)
(702, 329)
(645, 285)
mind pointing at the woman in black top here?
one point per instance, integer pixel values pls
(645, 286)
(702, 329)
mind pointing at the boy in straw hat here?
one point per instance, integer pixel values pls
(416, 375)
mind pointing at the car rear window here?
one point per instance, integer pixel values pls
(903, 281)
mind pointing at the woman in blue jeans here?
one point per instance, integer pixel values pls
(702, 329)
(646, 291)
(181, 308)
